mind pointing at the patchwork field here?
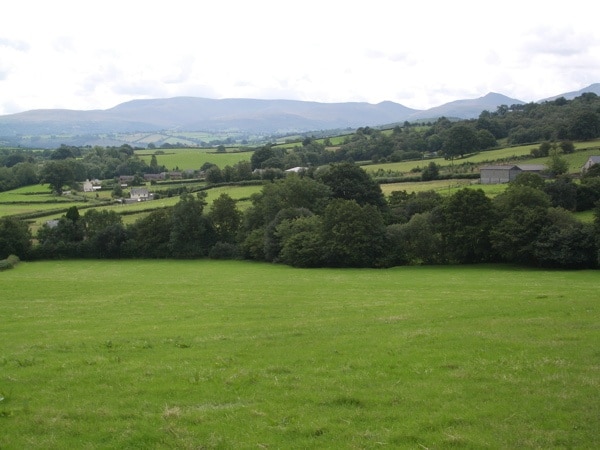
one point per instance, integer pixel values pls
(193, 158)
(211, 354)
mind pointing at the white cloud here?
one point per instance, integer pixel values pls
(86, 55)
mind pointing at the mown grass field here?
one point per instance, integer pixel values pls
(211, 354)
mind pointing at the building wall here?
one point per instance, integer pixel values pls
(495, 176)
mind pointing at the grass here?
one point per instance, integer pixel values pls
(134, 211)
(501, 156)
(210, 354)
(491, 155)
(193, 158)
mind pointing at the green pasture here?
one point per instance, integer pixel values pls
(501, 156)
(134, 211)
(214, 354)
(507, 153)
(444, 187)
(193, 158)
(38, 198)
(576, 160)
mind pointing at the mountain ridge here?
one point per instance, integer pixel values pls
(243, 115)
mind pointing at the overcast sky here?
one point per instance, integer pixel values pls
(96, 54)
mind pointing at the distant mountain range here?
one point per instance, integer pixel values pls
(266, 117)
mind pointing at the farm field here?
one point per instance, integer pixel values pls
(481, 157)
(193, 158)
(222, 354)
(443, 187)
(134, 211)
(501, 156)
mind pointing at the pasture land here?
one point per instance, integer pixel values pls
(507, 155)
(221, 354)
(444, 187)
(193, 158)
(503, 154)
(134, 211)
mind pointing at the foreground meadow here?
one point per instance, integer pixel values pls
(210, 354)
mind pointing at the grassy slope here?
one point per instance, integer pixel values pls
(187, 158)
(201, 354)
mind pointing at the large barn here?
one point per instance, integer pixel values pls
(506, 173)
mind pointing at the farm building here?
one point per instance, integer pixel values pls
(506, 172)
(125, 179)
(139, 195)
(592, 160)
(91, 186)
(154, 176)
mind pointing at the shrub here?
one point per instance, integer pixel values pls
(9, 262)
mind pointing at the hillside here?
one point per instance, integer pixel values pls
(468, 108)
(51, 127)
(202, 114)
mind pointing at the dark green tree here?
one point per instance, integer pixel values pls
(301, 244)
(562, 193)
(557, 164)
(192, 233)
(15, 238)
(485, 140)
(431, 172)
(151, 235)
(466, 219)
(72, 214)
(95, 220)
(226, 218)
(522, 214)
(292, 191)
(530, 179)
(352, 235)
(154, 164)
(416, 242)
(260, 156)
(459, 140)
(63, 152)
(585, 126)
(348, 181)
(567, 147)
(565, 242)
(57, 174)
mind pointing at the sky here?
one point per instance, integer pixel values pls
(94, 54)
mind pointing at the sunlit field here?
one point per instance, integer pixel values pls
(193, 158)
(212, 354)
(500, 156)
(444, 187)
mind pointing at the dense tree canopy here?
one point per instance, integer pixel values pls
(15, 238)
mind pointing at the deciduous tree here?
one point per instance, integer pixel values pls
(15, 238)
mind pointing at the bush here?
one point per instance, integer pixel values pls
(9, 262)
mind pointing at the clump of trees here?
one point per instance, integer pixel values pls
(338, 217)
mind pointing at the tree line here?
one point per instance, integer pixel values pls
(338, 217)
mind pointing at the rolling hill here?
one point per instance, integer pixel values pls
(263, 117)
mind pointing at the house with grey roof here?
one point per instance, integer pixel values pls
(139, 195)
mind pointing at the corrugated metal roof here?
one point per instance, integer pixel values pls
(498, 167)
(532, 167)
